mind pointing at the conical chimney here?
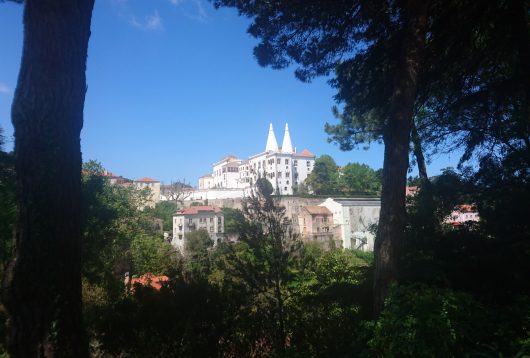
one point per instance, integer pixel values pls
(287, 145)
(272, 144)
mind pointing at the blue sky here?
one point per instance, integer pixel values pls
(173, 87)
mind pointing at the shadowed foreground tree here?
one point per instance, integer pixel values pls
(318, 36)
(42, 288)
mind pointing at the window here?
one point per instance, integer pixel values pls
(211, 220)
(285, 188)
(287, 174)
(180, 237)
(308, 163)
(286, 161)
(190, 221)
(278, 161)
(295, 162)
(211, 228)
(180, 227)
(287, 182)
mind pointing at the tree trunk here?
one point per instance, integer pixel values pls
(42, 286)
(418, 153)
(397, 139)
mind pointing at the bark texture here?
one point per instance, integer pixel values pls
(42, 286)
(418, 153)
(396, 158)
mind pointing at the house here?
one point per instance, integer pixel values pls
(315, 223)
(411, 190)
(209, 218)
(154, 187)
(283, 167)
(461, 214)
(356, 219)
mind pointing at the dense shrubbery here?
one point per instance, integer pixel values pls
(462, 292)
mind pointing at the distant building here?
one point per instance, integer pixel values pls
(462, 214)
(355, 218)
(209, 218)
(153, 185)
(282, 166)
(315, 223)
(411, 190)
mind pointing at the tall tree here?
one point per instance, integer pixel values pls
(385, 39)
(42, 288)
(323, 178)
(359, 179)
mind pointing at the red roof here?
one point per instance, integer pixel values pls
(466, 208)
(148, 180)
(197, 209)
(305, 153)
(149, 279)
(317, 210)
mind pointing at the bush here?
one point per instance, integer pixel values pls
(427, 321)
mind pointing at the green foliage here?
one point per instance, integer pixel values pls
(196, 253)
(234, 220)
(182, 320)
(116, 233)
(163, 210)
(323, 179)
(359, 179)
(329, 300)
(354, 179)
(7, 204)
(424, 321)
(153, 255)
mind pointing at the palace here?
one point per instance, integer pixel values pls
(283, 167)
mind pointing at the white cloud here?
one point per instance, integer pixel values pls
(176, 2)
(4, 88)
(150, 22)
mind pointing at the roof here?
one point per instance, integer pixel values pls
(147, 180)
(197, 209)
(411, 190)
(149, 279)
(305, 153)
(466, 208)
(317, 210)
(354, 201)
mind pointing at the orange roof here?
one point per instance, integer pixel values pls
(317, 210)
(149, 279)
(466, 208)
(304, 153)
(411, 190)
(148, 180)
(197, 209)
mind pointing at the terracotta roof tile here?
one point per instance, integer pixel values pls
(149, 279)
(147, 180)
(196, 209)
(317, 210)
(305, 153)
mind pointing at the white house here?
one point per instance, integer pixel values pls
(282, 166)
(209, 218)
(355, 217)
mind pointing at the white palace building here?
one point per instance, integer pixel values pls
(283, 166)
